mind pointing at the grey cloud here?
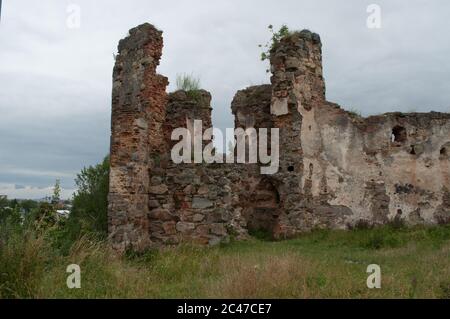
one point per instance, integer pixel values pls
(56, 82)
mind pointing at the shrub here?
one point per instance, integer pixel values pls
(90, 203)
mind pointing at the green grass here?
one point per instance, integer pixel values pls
(190, 84)
(187, 82)
(415, 263)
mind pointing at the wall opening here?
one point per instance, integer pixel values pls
(445, 151)
(262, 211)
(398, 134)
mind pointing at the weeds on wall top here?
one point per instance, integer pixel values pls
(354, 112)
(275, 39)
(190, 84)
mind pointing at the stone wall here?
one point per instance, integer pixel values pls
(337, 169)
(382, 167)
(351, 169)
(193, 202)
(185, 107)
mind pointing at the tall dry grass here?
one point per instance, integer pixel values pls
(414, 263)
(23, 260)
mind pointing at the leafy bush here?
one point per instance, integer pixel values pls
(43, 218)
(90, 202)
(89, 213)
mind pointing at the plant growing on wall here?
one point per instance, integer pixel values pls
(190, 84)
(276, 36)
(187, 82)
(354, 112)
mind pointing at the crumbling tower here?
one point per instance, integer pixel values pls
(296, 65)
(138, 112)
(297, 85)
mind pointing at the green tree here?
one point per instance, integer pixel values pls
(28, 205)
(9, 211)
(4, 202)
(90, 203)
(5, 214)
(56, 197)
(44, 217)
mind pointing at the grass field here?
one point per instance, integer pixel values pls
(415, 263)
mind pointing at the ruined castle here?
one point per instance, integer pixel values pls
(337, 169)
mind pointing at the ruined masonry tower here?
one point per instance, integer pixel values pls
(138, 112)
(337, 170)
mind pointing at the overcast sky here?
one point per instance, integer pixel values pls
(55, 81)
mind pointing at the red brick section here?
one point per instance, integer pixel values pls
(138, 112)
